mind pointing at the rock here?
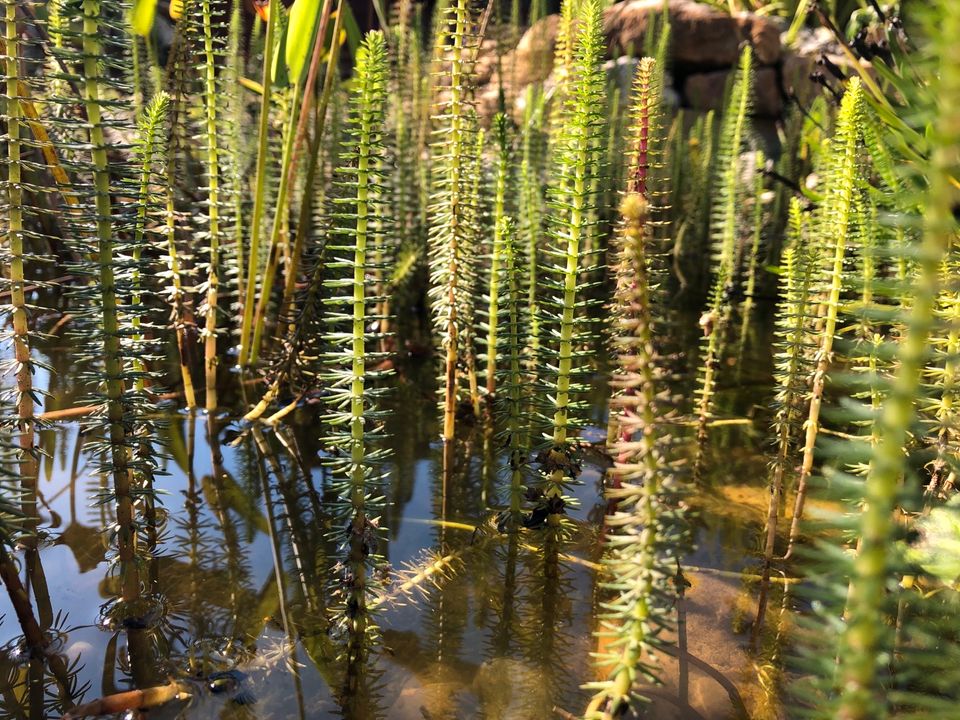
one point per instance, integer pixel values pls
(486, 64)
(701, 36)
(813, 41)
(796, 70)
(705, 91)
(533, 59)
(434, 700)
(620, 72)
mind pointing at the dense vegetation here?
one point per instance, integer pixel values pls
(237, 224)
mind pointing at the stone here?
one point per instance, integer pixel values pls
(532, 61)
(706, 91)
(486, 64)
(701, 36)
(796, 70)
(803, 58)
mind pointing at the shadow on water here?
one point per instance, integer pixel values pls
(238, 587)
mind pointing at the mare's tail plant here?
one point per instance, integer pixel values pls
(355, 422)
(530, 215)
(512, 407)
(832, 222)
(116, 359)
(793, 367)
(895, 621)
(21, 214)
(724, 230)
(503, 185)
(451, 232)
(211, 105)
(565, 265)
(641, 530)
(642, 538)
(752, 260)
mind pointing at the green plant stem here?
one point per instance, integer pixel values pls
(455, 177)
(493, 306)
(726, 232)
(148, 130)
(637, 502)
(113, 366)
(210, 361)
(316, 142)
(516, 421)
(862, 694)
(26, 426)
(358, 449)
(182, 314)
(838, 221)
(794, 308)
(260, 189)
(280, 212)
(750, 290)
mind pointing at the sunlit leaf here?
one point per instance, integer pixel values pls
(143, 14)
(300, 36)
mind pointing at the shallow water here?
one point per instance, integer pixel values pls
(239, 582)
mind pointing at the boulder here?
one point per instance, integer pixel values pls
(705, 91)
(803, 59)
(532, 61)
(700, 34)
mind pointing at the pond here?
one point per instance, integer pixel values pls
(234, 621)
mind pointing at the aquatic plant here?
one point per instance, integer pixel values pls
(751, 261)
(502, 180)
(641, 545)
(259, 193)
(864, 639)
(299, 213)
(179, 272)
(530, 214)
(724, 230)
(354, 418)
(565, 307)
(20, 417)
(212, 163)
(451, 234)
(118, 354)
(833, 221)
(642, 524)
(793, 368)
(511, 408)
